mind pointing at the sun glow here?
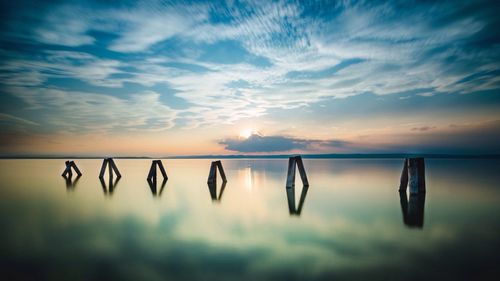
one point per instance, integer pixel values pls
(245, 134)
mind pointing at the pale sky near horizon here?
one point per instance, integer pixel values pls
(158, 78)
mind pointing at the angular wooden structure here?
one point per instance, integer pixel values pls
(290, 196)
(290, 178)
(112, 167)
(413, 176)
(68, 173)
(212, 175)
(152, 170)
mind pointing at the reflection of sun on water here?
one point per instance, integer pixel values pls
(248, 178)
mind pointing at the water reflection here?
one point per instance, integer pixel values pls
(153, 185)
(250, 237)
(290, 195)
(71, 184)
(212, 187)
(109, 189)
(413, 209)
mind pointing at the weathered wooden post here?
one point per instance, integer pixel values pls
(212, 180)
(152, 170)
(413, 176)
(292, 163)
(212, 175)
(68, 173)
(152, 178)
(112, 168)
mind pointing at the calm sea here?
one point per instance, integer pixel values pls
(351, 223)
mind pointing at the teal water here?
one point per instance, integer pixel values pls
(351, 223)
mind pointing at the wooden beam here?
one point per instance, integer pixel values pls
(290, 179)
(103, 168)
(302, 170)
(112, 162)
(162, 169)
(404, 177)
(110, 171)
(221, 171)
(152, 171)
(67, 170)
(75, 168)
(212, 175)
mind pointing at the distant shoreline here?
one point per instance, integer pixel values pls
(279, 156)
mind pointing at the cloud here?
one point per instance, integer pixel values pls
(144, 27)
(66, 26)
(423, 128)
(82, 112)
(259, 143)
(61, 64)
(319, 59)
(8, 117)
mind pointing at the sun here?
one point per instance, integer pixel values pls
(245, 134)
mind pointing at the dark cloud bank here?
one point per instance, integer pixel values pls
(258, 143)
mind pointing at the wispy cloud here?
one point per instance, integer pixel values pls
(8, 117)
(423, 128)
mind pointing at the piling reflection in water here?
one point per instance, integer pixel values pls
(110, 188)
(290, 195)
(412, 209)
(153, 185)
(212, 187)
(71, 184)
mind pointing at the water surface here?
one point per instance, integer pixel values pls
(351, 223)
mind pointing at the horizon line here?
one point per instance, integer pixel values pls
(274, 156)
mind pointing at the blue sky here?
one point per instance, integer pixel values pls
(188, 77)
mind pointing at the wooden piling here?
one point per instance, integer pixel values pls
(162, 169)
(68, 172)
(293, 162)
(413, 176)
(212, 175)
(290, 178)
(152, 171)
(103, 168)
(111, 167)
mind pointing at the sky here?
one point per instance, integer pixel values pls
(164, 78)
